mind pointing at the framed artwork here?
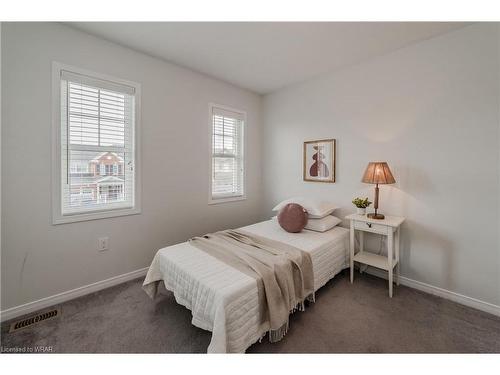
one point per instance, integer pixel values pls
(319, 160)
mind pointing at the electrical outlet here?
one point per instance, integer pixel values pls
(103, 244)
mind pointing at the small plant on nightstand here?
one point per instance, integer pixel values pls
(361, 204)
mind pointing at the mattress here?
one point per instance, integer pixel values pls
(224, 300)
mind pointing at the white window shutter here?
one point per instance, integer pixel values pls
(97, 136)
(227, 154)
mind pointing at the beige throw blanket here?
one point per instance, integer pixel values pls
(284, 273)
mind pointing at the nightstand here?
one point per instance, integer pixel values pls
(389, 227)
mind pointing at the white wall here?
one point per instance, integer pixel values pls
(432, 111)
(39, 259)
(498, 169)
(0, 144)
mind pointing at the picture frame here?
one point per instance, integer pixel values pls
(319, 160)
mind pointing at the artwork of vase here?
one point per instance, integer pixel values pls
(319, 160)
(319, 168)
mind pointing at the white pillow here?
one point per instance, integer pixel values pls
(315, 208)
(323, 224)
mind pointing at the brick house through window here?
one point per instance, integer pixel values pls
(97, 179)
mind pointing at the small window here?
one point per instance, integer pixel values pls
(96, 122)
(227, 161)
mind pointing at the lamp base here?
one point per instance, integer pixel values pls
(376, 216)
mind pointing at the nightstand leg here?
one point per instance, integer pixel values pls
(390, 248)
(397, 257)
(361, 248)
(351, 250)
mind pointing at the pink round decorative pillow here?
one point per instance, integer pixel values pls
(293, 217)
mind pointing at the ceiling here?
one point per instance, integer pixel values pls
(264, 57)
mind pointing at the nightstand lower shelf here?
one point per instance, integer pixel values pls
(374, 260)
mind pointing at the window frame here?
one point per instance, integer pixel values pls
(211, 199)
(57, 216)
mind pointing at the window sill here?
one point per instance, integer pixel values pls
(227, 200)
(65, 219)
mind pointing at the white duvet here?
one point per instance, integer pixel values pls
(224, 300)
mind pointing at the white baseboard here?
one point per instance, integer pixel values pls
(455, 297)
(43, 303)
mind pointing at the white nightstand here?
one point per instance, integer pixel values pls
(389, 227)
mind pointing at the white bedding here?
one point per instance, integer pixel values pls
(224, 300)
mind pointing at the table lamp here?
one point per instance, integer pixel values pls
(377, 173)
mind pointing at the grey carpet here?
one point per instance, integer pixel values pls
(357, 318)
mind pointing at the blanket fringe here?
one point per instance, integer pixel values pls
(276, 335)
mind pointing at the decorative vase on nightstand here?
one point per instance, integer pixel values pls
(361, 211)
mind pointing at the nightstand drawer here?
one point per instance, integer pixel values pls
(371, 227)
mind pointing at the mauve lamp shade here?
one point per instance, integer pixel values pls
(378, 173)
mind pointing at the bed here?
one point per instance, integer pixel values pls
(224, 300)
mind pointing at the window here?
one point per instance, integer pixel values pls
(227, 161)
(96, 125)
(109, 170)
(78, 167)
